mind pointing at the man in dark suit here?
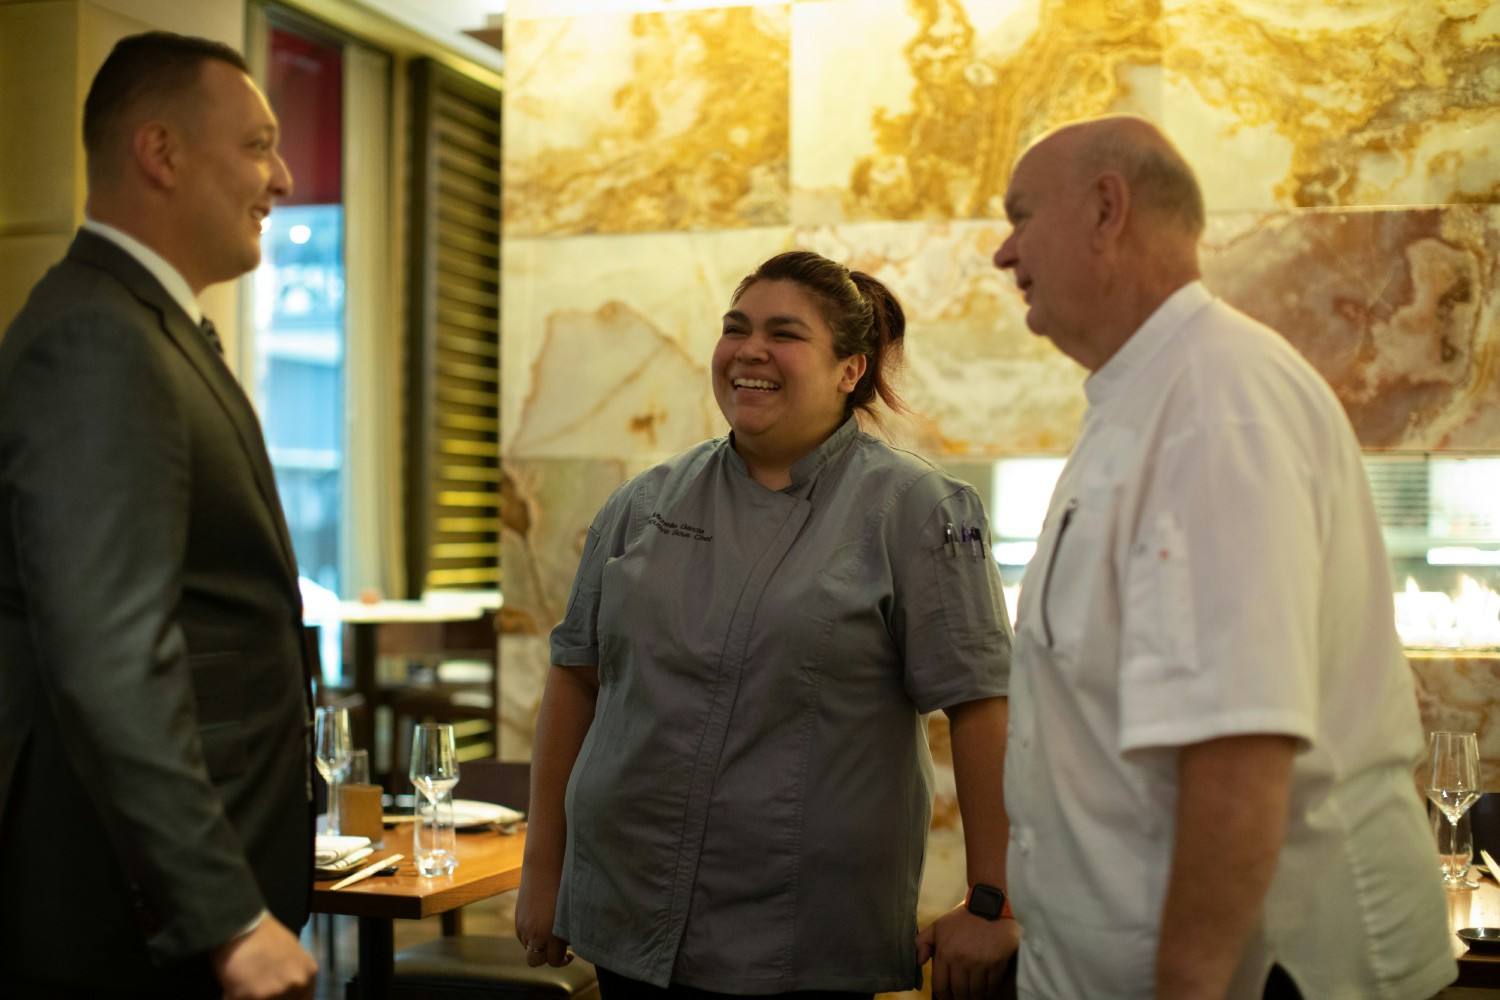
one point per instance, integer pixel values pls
(154, 785)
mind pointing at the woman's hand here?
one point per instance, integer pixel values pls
(563, 721)
(536, 912)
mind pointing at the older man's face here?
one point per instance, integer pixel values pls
(1048, 248)
(232, 174)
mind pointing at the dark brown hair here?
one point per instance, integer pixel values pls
(864, 316)
(153, 67)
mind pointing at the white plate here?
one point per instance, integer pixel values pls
(469, 814)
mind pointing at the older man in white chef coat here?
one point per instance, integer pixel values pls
(1213, 731)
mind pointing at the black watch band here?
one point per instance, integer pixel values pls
(985, 901)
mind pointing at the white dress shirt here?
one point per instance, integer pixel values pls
(171, 279)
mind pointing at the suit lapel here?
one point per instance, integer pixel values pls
(190, 341)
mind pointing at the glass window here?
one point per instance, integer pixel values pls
(299, 303)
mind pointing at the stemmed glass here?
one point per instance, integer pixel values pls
(331, 748)
(1453, 788)
(434, 772)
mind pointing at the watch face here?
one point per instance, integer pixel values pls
(986, 901)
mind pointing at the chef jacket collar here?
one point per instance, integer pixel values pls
(805, 470)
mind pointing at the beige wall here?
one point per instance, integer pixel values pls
(49, 51)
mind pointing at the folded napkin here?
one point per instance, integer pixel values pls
(332, 852)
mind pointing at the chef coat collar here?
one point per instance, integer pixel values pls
(805, 470)
(1150, 337)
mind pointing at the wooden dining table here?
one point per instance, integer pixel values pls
(1478, 907)
(488, 864)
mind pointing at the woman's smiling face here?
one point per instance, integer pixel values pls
(775, 375)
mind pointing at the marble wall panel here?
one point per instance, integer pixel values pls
(1399, 310)
(979, 382)
(916, 109)
(546, 511)
(531, 10)
(549, 505)
(1377, 102)
(618, 364)
(1457, 692)
(524, 662)
(606, 340)
(633, 123)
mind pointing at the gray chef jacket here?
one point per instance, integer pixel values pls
(749, 811)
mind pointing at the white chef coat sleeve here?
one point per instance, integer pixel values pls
(1220, 589)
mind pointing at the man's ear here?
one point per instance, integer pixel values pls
(1112, 208)
(157, 153)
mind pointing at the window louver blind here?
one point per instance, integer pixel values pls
(453, 441)
(1400, 489)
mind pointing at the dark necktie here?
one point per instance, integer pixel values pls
(207, 327)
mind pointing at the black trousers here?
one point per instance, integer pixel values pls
(613, 986)
(25, 989)
(1279, 986)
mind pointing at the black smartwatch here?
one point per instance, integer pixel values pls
(985, 901)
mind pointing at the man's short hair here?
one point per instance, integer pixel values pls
(151, 67)
(1159, 177)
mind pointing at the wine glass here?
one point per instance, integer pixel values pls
(331, 747)
(434, 772)
(1453, 788)
(1455, 844)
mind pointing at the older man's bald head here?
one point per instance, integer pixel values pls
(1105, 219)
(1158, 176)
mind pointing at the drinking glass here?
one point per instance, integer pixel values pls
(331, 746)
(1453, 787)
(360, 808)
(434, 772)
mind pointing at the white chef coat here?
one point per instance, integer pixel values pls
(1211, 565)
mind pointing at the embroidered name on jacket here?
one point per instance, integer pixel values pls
(680, 530)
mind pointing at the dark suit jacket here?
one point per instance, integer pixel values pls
(154, 780)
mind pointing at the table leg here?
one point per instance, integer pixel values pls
(377, 951)
(364, 650)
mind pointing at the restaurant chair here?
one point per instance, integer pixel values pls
(483, 967)
(503, 782)
(452, 676)
(460, 966)
(1484, 824)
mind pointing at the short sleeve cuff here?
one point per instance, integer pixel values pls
(575, 656)
(984, 679)
(1201, 728)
